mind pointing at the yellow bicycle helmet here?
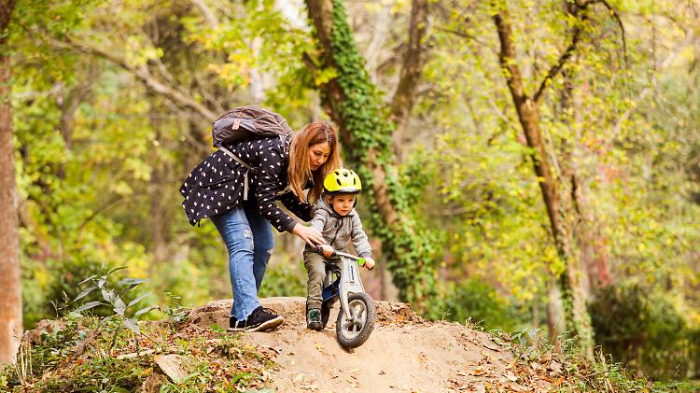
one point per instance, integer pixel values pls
(342, 181)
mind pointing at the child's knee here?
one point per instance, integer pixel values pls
(317, 272)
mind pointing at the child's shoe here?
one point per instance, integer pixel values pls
(313, 319)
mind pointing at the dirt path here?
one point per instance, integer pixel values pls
(404, 354)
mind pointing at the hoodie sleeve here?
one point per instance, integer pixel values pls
(359, 238)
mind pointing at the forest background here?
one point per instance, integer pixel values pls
(530, 166)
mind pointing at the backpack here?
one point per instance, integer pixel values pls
(246, 122)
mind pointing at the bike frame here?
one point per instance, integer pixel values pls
(348, 282)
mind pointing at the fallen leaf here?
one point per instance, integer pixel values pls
(555, 367)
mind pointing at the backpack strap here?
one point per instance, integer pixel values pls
(245, 165)
(245, 176)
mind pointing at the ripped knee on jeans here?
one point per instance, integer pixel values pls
(248, 234)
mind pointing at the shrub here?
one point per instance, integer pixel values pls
(476, 302)
(642, 328)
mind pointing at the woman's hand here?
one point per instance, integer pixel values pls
(310, 235)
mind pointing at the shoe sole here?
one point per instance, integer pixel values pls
(267, 325)
(317, 326)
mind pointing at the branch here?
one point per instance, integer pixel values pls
(560, 64)
(34, 94)
(576, 36)
(690, 40)
(206, 13)
(467, 36)
(579, 8)
(175, 95)
(617, 18)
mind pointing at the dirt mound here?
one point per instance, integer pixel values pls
(292, 308)
(404, 353)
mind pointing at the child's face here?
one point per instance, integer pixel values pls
(342, 204)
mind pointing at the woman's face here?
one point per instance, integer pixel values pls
(318, 154)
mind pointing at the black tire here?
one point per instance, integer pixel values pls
(352, 334)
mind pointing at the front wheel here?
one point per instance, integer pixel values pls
(356, 324)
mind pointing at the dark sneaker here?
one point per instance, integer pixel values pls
(261, 319)
(232, 321)
(313, 319)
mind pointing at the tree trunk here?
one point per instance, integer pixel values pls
(11, 294)
(586, 226)
(593, 252)
(365, 133)
(414, 61)
(528, 114)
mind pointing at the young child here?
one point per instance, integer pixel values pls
(335, 217)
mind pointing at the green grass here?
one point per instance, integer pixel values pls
(90, 354)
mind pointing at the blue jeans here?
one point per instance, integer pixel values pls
(249, 240)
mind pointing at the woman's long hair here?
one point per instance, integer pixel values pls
(299, 170)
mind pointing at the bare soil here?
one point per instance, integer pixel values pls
(404, 354)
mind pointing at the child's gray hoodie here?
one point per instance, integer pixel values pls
(338, 231)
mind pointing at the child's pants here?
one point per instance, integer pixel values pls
(316, 269)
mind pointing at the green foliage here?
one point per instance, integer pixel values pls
(649, 332)
(100, 154)
(284, 278)
(566, 368)
(475, 302)
(93, 354)
(408, 247)
(114, 297)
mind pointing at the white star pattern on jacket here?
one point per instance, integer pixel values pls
(215, 186)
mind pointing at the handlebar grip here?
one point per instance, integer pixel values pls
(319, 250)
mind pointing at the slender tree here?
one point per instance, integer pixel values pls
(527, 108)
(413, 64)
(11, 295)
(529, 117)
(366, 133)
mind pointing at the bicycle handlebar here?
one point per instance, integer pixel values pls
(360, 261)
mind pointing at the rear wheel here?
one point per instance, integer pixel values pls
(356, 324)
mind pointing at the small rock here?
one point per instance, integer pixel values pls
(173, 366)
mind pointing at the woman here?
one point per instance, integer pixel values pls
(244, 216)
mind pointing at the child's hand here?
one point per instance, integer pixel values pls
(327, 250)
(369, 263)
